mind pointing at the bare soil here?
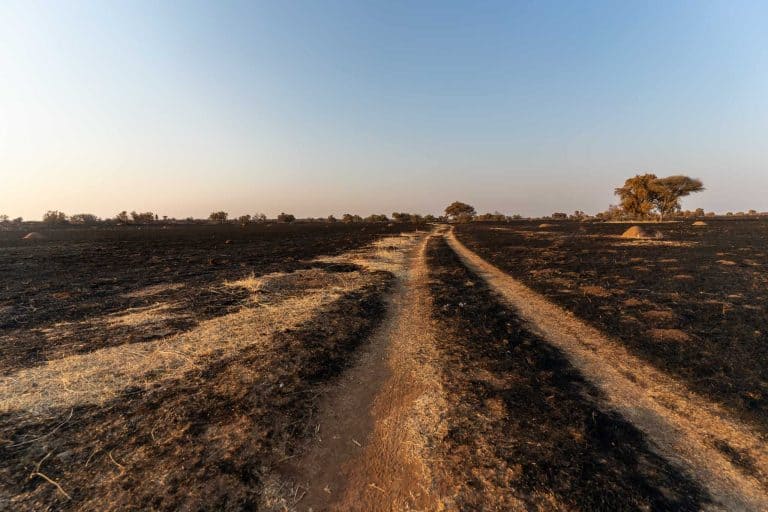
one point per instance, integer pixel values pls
(374, 434)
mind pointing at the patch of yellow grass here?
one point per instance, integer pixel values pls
(595, 291)
(155, 289)
(283, 284)
(659, 243)
(387, 254)
(98, 376)
(675, 335)
(280, 301)
(138, 316)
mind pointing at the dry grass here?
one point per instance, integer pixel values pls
(99, 376)
(138, 316)
(659, 316)
(279, 301)
(595, 291)
(282, 284)
(155, 289)
(386, 254)
(657, 243)
(674, 335)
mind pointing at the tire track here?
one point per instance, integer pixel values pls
(372, 447)
(686, 428)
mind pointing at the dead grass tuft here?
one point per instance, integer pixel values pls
(632, 302)
(155, 289)
(595, 291)
(387, 254)
(659, 316)
(675, 335)
(138, 316)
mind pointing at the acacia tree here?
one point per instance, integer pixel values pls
(669, 191)
(84, 218)
(637, 195)
(348, 217)
(220, 217)
(55, 217)
(645, 192)
(460, 212)
(143, 217)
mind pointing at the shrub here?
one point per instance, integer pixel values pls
(55, 217)
(219, 217)
(143, 218)
(84, 218)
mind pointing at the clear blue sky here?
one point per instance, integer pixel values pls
(325, 107)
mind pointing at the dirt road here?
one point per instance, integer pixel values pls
(726, 457)
(375, 438)
(371, 448)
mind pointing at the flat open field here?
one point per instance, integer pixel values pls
(52, 290)
(375, 367)
(523, 419)
(170, 368)
(693, 304)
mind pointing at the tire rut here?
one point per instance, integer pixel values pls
(371, 449)
(685, 428)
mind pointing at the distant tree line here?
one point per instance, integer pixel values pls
(463, 212)
(644, 196)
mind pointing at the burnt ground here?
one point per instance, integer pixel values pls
(50, 287)
(523, 425)
(203, 441)
(693, 305)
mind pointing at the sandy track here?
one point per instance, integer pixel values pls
(685, 427)
(371, 451)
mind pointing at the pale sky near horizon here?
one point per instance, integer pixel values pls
(325, 107)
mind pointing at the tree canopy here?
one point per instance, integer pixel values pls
(643, 194)
(459, 211)
(220, 217)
